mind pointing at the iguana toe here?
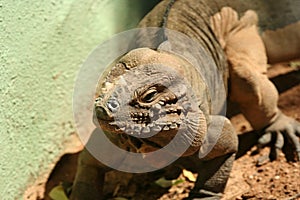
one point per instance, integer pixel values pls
(283, 135)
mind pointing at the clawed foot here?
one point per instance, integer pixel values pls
(204, 195)
(283, 135)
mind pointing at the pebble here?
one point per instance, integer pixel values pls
(277, 177)
(260, 170)
(259, 179)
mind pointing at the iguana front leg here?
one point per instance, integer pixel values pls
(249, 85)
(89, 180)
(215, 167)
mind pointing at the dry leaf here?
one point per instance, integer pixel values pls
(58, 193)
(295, 64)
(189, 175)
(164, 183)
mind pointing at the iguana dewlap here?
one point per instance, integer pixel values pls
(161, 103)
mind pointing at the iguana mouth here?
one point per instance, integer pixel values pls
(141, 117)
(147, 122)
(145, 117)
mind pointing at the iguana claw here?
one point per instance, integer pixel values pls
(282, 135)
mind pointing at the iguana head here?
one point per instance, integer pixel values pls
(144, 100)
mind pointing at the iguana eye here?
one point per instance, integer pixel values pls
(149, 95)
(113, 105)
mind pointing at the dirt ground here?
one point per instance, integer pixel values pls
(249, 178)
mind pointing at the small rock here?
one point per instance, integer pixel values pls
(295, 164)
(260, 170)
(259, 179)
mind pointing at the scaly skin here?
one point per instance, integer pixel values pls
(241, 55)
(159, 101)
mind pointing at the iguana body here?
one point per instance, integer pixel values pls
(228, 33)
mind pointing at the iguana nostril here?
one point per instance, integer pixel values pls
(101, 113)
(113, 105)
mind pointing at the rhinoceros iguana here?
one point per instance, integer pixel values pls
(240, 37)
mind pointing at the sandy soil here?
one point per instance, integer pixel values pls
(248, 180)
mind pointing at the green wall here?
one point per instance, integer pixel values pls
(43, 44)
